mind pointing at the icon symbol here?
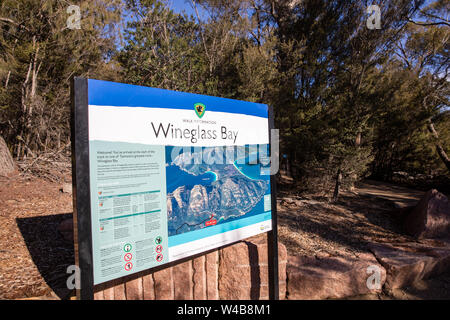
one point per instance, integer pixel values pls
(128, 266)
(200, 109)
(127, 247)
(159, 249)
(128, 257)
(211, 221)
(158, 240)
(159, 257)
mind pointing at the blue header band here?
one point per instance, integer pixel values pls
(106, 93)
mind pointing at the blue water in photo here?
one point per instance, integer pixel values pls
(177, 177)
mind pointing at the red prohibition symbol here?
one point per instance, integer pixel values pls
(159, 257)
(128, 266)
(159, 248)
(128, 257)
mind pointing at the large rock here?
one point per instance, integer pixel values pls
(430, 218)
(407, 263)
(326, 277)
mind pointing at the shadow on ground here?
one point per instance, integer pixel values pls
(50, 252)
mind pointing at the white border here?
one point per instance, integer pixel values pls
(198, 246)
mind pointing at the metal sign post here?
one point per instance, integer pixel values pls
(272, 236)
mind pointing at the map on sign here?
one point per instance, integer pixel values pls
(202, 195)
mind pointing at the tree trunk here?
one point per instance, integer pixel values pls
(7, 165)
(28, 94)
(338, 185)
(358, 139)
(7, 79)
(439, 148)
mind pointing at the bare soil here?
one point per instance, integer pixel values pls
(34, 257)
(311, 224)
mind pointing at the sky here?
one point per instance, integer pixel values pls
(181, 5)
(185, 5)
(178, 6)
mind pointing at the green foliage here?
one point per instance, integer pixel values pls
(347, 99)
(40, 55)
(162, 49)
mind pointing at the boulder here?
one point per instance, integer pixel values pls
(430, 218)
(326, 277)
(408, 263)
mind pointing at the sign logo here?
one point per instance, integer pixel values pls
(200, 109)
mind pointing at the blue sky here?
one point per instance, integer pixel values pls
(181, 5)
(178, 6)
(185, 5)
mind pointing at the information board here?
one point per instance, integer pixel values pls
(170, 174)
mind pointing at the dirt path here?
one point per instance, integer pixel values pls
(399, 196)
(310, 224)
